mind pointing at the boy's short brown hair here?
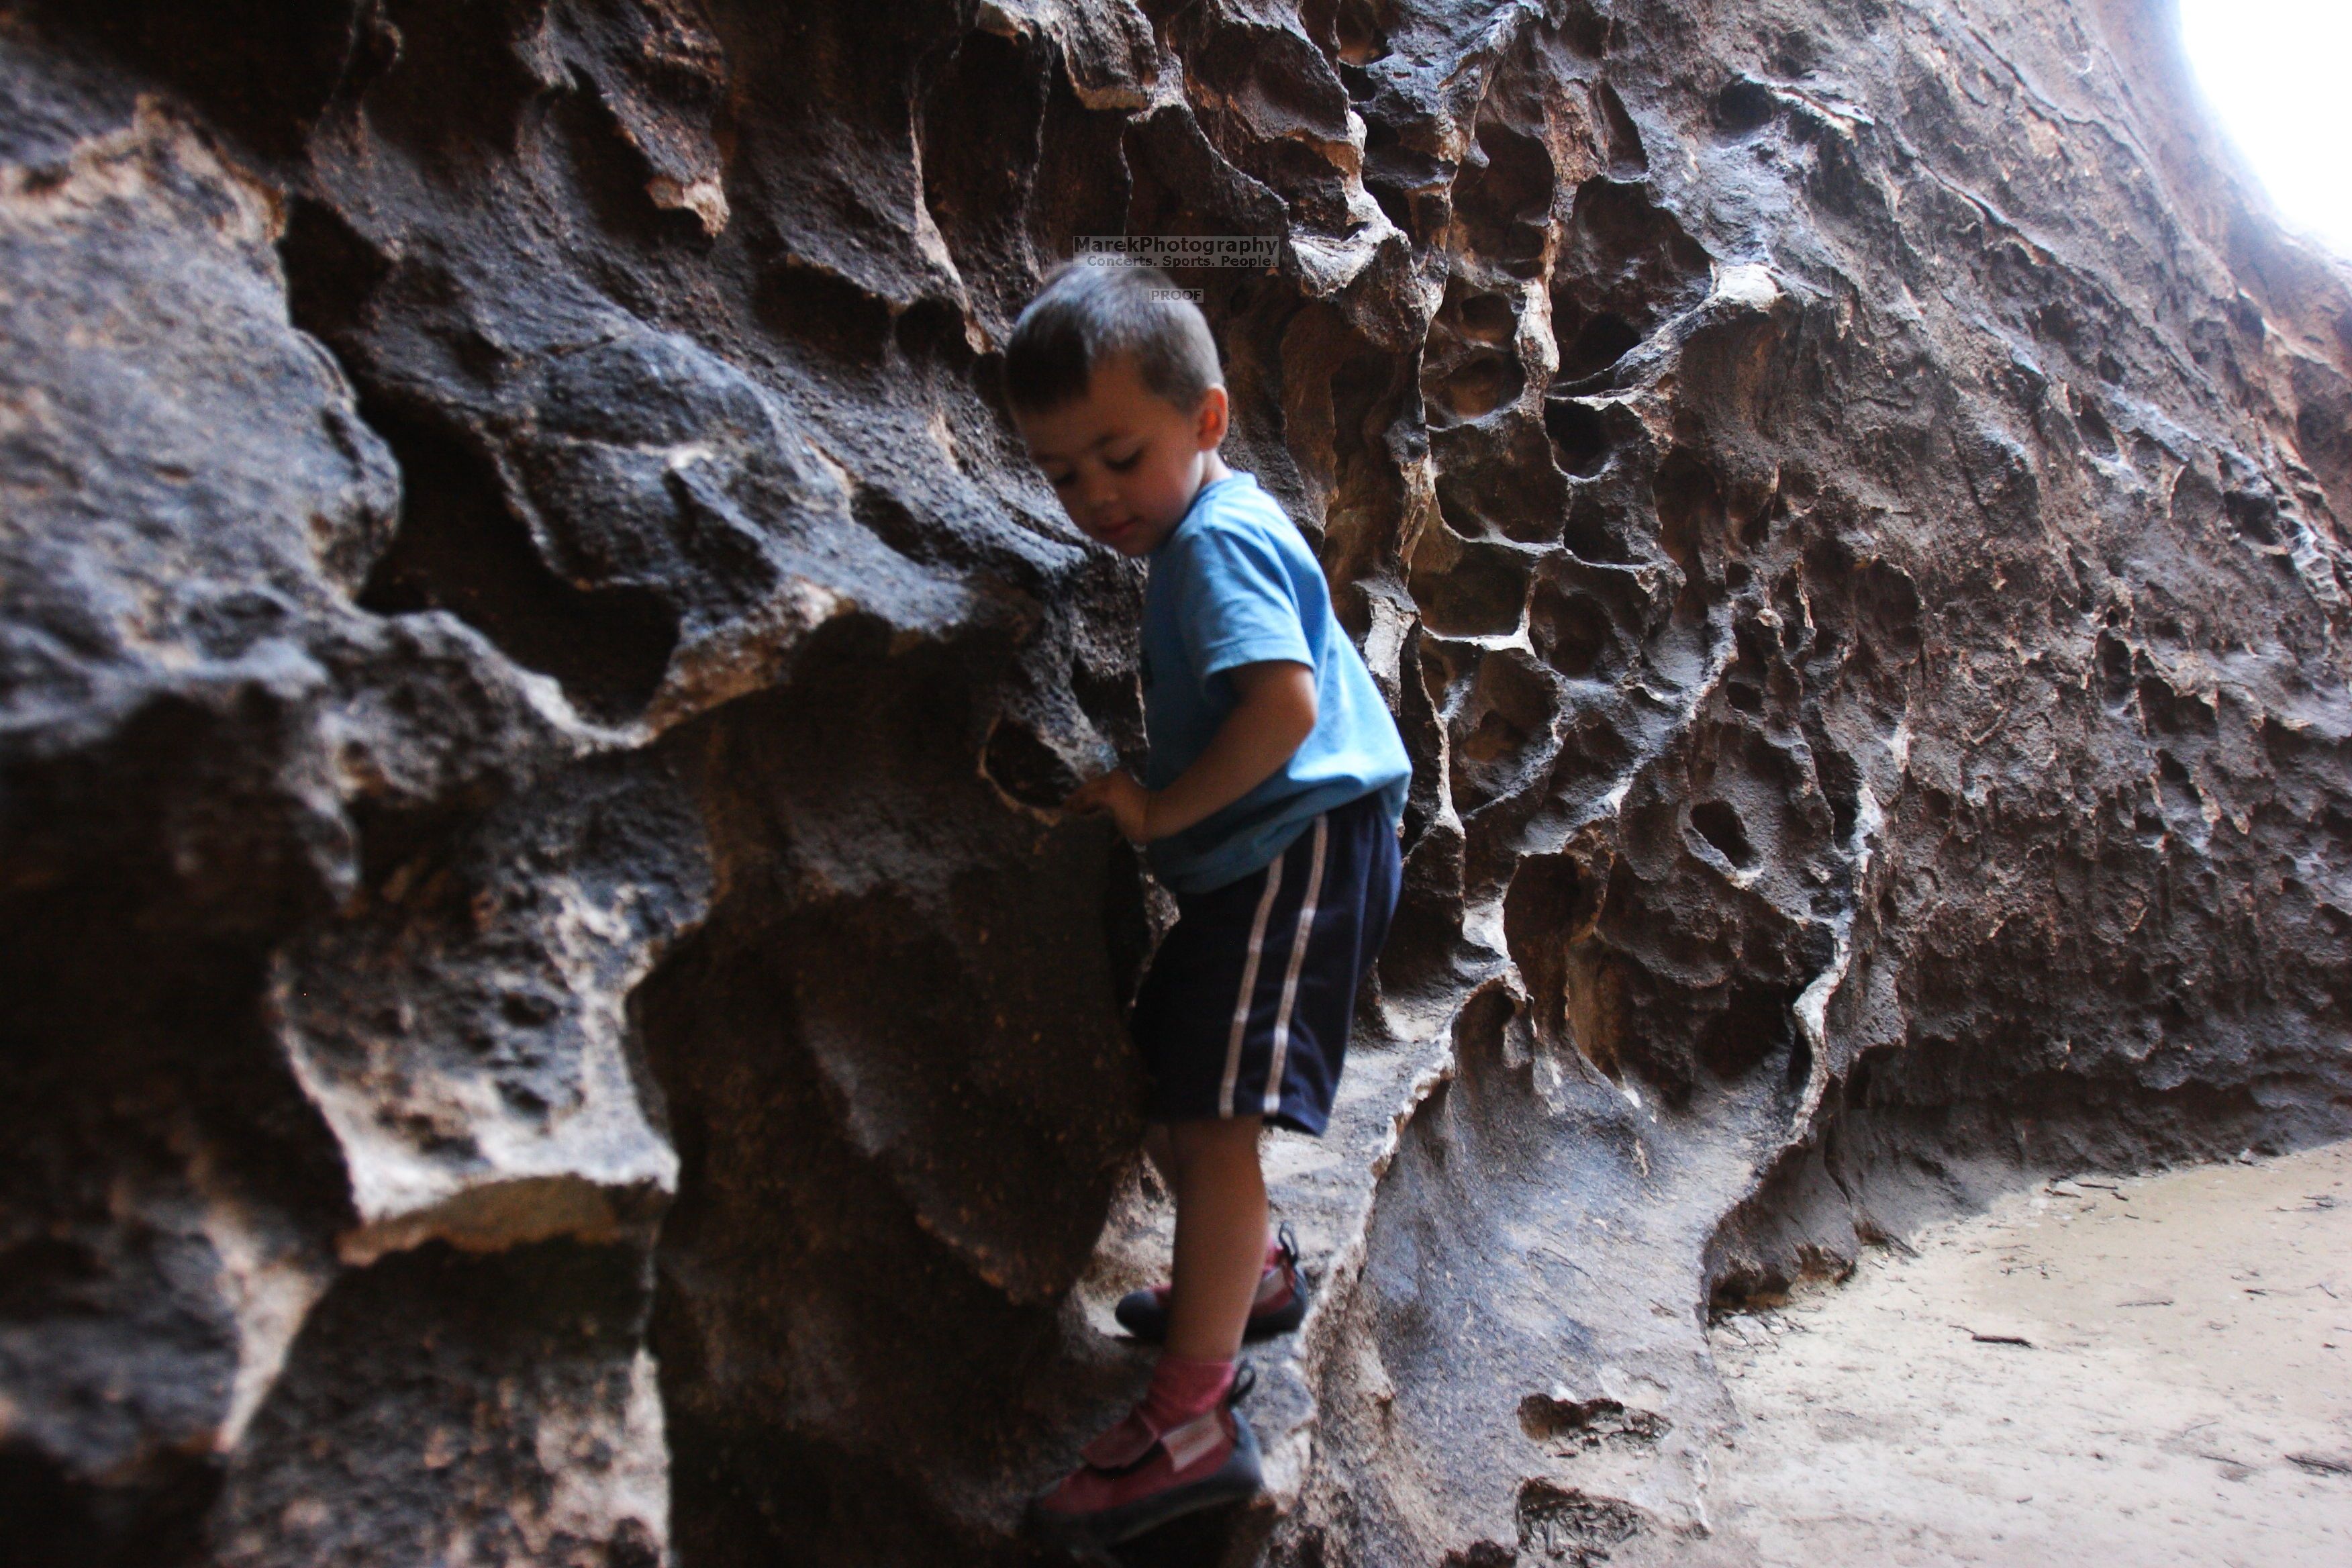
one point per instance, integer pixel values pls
(1089, 311)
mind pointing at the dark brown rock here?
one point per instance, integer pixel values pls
(550, 1015)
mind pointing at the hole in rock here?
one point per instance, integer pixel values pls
(1475, 389)
(1608, 1019)
(607, 175)
(1081, 184)
(885, 517)
(2254, 514)
(1503, 197)
(976, 196)
(2115, 671)
(1627, 156)
(1755, 1024)
(1838, 778)
(1444, 666)
(934, 329)
(1569, 631)
(460, 548)
(1288, 82)
(1561, 1524)
(1800, 1064)
(1796, 615)
(1633, 248)
(1499, 478)
(1488, 318)
(1025, 768)
(1539, 915)
(1481, 1554)
(2170, 713)
(1744, 106)
(2084, 598)
(2097, 434)
(1481, 594)
(1598, 343)
(1356, 27)
(1719, 825)
(266, 69)
(1578, 434)
(2195, 501)
(1877, 601)
(1625, 265)
(1368, 397)
(1479, 1029)
(1692, 520)
(446, 79)
(1586, 27)
(391, 838)
(46, 1510)
(2323, 428)
(1594, 754)
(331, 269)
(1592, 532)
(1509, 717)
(1795, 54)
(2057, 323)
(2182, 800)
(1400, 178)
(1112, 701)
(810, 308)
(1590, 1423)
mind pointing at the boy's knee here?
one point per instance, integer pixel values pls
(1220, 1139)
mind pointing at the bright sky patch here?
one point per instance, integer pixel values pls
(2279, 74)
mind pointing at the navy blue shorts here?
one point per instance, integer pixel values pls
(1246, 1008)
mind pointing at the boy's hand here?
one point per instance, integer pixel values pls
(1116, 792)
(1274, 714)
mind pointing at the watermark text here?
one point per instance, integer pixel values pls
(1178, 249)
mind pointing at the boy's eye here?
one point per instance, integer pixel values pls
(1120, 464)
(1059, 480)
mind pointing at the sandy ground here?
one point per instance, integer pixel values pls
(2141, 1371)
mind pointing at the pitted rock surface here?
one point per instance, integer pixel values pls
(551, 1014)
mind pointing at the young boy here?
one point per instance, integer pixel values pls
(1270, 806)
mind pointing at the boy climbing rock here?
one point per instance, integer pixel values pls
(1270, 809)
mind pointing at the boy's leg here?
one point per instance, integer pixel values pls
(1220, 1235)
(1279, 1304)
(1184, 1447)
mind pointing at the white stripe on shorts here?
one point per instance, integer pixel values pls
(1297, 961)
(1249, 985)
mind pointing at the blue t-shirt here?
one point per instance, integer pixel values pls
(1234, 583)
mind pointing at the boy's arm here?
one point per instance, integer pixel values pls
(1273, 715)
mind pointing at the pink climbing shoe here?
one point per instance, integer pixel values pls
(1280, 1307)
(1140, 1474)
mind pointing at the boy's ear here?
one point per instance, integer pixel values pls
(1209, 423)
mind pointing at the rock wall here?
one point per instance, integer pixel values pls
(550, 1016)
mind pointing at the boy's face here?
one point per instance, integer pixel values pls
(1126, 463)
